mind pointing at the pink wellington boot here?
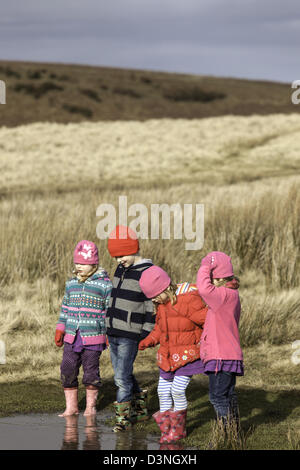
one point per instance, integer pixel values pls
(177, 426)
(163, 421)
(91, 400)
(71, 396)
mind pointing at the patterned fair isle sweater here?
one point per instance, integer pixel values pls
(84, 307)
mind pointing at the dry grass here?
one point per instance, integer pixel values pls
(218, 151)
(294, 438)
(229, 439)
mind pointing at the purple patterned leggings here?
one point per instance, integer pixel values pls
(71, 363)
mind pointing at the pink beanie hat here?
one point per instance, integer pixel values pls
(86, 252)
(154, 281)
(222, 265)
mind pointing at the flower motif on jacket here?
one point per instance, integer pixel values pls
(176, 357)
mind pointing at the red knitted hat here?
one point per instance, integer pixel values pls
(122, 241)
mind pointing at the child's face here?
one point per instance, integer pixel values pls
(84, 269)
(161, 298)
(125, 261)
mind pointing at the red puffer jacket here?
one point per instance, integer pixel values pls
(178, 330)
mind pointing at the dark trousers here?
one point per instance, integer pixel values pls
(71, 363)
(222, 394)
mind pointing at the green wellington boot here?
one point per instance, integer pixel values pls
(139, 407)
(123, 416)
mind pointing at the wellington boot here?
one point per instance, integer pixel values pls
(71, 396)
(123, 413)
(139, 410)
(91, 400)
(177, 428)
(164, 423)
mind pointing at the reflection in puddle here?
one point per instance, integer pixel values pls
(49, 432)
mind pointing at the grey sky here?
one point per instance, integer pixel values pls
(238, 38)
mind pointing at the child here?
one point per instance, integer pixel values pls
(178, 329)
(220, 345)
(81, 327)
(129, 319)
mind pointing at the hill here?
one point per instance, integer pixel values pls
(42, 92)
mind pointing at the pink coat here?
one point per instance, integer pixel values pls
(220, 337)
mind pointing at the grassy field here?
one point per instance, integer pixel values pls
(245, 170)
(62, 93)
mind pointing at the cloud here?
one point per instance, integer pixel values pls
(149, 34)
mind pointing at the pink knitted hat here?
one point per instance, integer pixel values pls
(154, 281)
(223, 266)
(86, 252)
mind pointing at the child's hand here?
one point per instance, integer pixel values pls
(142, 346)
(209, 260)
(59, 338)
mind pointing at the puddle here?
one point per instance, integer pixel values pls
(50, 432)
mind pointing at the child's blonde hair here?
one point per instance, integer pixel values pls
(170, 291)
(222, 281)
(84, 278)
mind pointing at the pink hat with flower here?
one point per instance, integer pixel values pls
(154, 281)
(86, 252)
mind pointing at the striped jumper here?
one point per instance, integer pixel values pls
(130, 312)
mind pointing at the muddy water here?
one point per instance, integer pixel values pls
(50, 432)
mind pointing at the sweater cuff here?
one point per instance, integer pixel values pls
(61, 327)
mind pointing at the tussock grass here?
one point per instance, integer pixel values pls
(275, 317)
(229, 439)
(294, 438)
(158, 153)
